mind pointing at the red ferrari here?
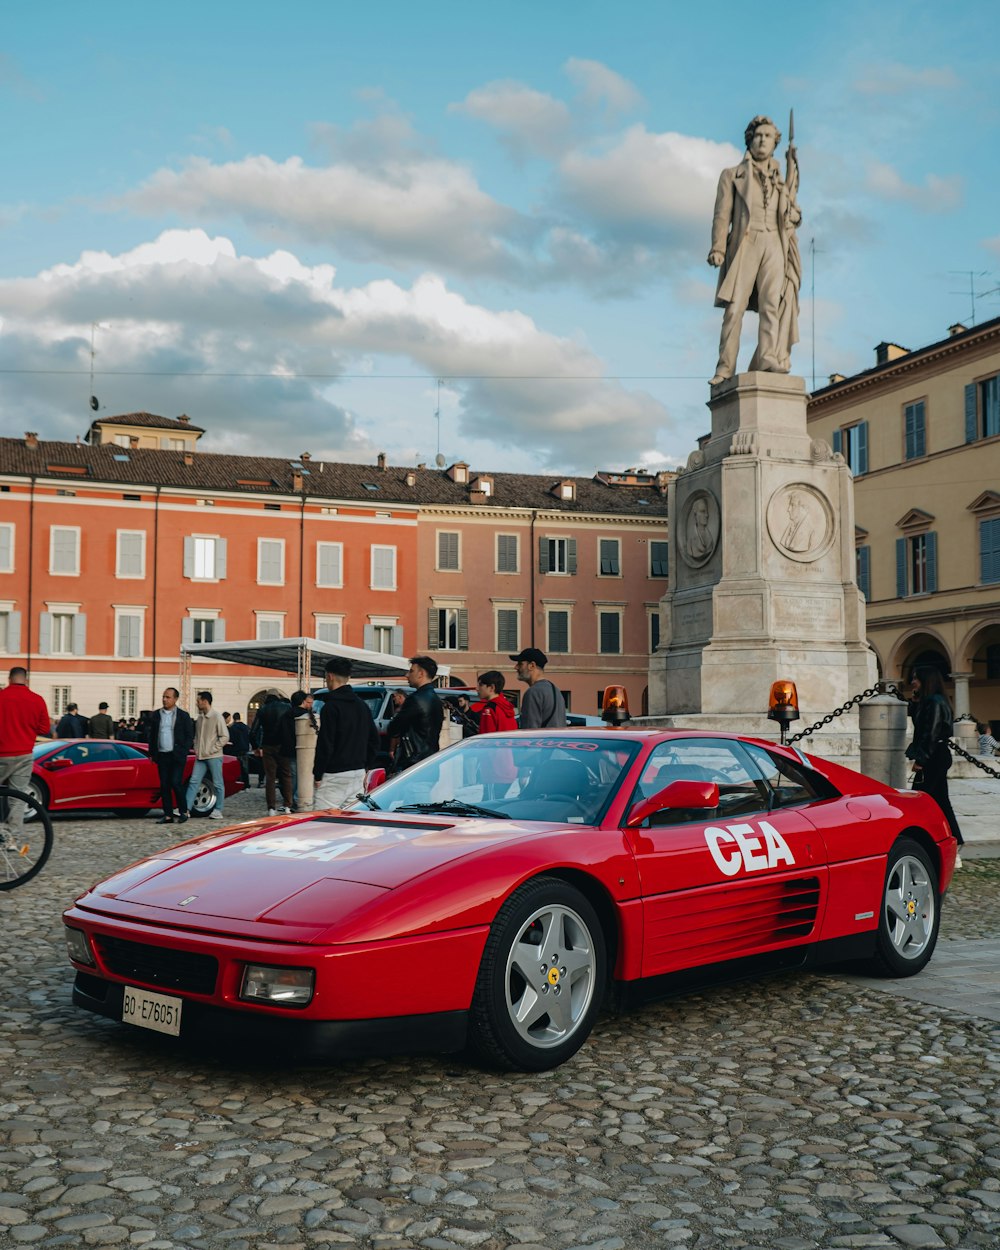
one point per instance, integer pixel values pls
(498, 894)
(76, 774)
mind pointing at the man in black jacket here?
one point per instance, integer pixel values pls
(171, 737)
(239, 738)
(347, 742)
(417, 724)
(273, 738)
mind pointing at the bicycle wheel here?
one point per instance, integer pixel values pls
(25, 837)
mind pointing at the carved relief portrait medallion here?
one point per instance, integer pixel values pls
(800, 522)
(699, 534)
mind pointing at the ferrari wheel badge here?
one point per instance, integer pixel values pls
(553, 976)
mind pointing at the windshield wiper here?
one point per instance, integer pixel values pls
(452, 805)
(368, 801)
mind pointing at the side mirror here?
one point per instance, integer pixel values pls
(374, 779)
(699, 795)
(56, 765)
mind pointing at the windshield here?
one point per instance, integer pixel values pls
(561, 778)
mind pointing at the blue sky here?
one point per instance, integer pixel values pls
(290, 221)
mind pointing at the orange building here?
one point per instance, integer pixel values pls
(116, 550)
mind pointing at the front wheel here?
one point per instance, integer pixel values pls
(911, 912)
(541, 980)
(23, 852)
(204, 799)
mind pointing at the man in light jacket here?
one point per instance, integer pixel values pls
(210, 736)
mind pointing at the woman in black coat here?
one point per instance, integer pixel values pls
(932, 727)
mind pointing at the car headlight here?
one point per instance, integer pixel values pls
(284, 987)
(78, 947)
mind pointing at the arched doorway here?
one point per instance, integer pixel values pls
(981, 654)
(256, 703)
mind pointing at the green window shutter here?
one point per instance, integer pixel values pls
(989, 551)
(971, 432)
(931, 561)
(861, 433)
(901, 568)
(463, 629)
(863, 557)
(838, 441)
(559, 632)
(543, 555)
(658, 557)
(433, 635)
(609, 557)
(570, 555)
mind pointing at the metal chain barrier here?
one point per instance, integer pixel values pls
(880, 687)
(886, 687)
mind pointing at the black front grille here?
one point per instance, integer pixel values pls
(158, 965)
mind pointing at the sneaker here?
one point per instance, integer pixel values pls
(182, 817)
(217, 816)
(285, 811)
(272, 811)
(958, 860)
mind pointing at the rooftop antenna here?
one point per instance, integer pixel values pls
(94, 402)
(438, 459)
(972, 275)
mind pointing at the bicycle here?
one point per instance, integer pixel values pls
(23, 851)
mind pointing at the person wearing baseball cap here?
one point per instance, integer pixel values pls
(543, 706)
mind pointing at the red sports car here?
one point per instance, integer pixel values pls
(499, 893)
(76, 774)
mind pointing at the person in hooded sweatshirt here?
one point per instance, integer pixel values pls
(494, 711)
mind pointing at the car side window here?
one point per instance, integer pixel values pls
(130, 753)
(789, 784)
(90, 752)
(741, 792)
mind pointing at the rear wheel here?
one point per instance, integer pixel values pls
(541, 980)
(204, 799)
(23, 851)
(911, 912)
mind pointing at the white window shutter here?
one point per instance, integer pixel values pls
(13, 632)
(396, 647)
(187, 630)
(220, 558)
(45, 634)
(220, 630)
(80, 634)
(189, 557)
(369, 643)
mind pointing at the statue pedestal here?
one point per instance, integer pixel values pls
(762, 571)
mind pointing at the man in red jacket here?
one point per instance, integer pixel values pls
(23, 718)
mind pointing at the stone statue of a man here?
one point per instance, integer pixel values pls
(756, 252)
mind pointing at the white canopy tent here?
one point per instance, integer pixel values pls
(306, 657)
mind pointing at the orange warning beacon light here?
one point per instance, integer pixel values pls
(783, 704)
(614, 706)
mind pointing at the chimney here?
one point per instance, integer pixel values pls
(836, 377)
(381, 461)
(297, 480)
(184, 418)
(133, 441)
(305, 457)
(411, 478)
(189, 458)
(31, 439)
(957, 328)
(885, 353)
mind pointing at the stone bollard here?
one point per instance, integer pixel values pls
(883, 740)
(305, 757)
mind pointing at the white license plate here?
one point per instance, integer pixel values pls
(152, 1011)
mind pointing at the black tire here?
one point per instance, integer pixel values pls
(23, 857)
(204, 800)
(510, 1026)
(910, 912)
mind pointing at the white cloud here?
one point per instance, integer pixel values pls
(600, 85)
(528, 121)
(993, 245)
(892, 78)
(188, 305)
(404, 210)
(937, 195)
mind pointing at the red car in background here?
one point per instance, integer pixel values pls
(499, 893)
(79, 774)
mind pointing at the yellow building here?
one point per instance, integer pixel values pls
(921, 432)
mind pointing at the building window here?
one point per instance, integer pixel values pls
(658, 554)
(62, 697)
(62, 633)
(128, 701)
(203, 629)
(270, 562)
(330, 564)
(330, 629)
(383, 568)
(122, 440)
(507, 553)
(654, 630)
(610, 632)
(385, 637)
(558, 631)
(447, 552)
(64, 550)
(130, 556)
(916, 564)
(6, 548)
(609, 557)
(270, 627)
(989, 550)
(915, 430)
(862, 570)
(448, 629)
(508, 630)
(10, 630)
(204, 558)
(172, 444)
(852, 443)
(982, 409)
(557, 555)
(128, 634)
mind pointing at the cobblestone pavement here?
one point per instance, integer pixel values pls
(805, 1112)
